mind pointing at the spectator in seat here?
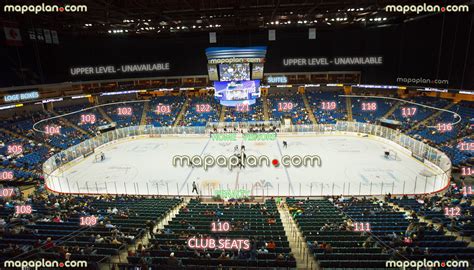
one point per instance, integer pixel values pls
(56, 219)
(109, 225)
(88, 250)
(280, 258)
(99, 239)
(271, 221)
(49, 244)
(262, 250)
(439, 228)
(368, 242)
(328, 249)
(172, 260)
(151, 225)
(325, 227)
(290, 257)
(3, 224)
(271, 246)
(116, 242)
(92, 238)
(315, 244)
(223, 257)
(37, 244)
(62, 251)
(76, 250)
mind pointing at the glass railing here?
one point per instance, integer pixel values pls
(433, 158)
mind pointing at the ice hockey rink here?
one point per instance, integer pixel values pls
(351, 164)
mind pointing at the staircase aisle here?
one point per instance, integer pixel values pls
(67, 122)
(104, 115)
(265, 109)
(390, 112)
(349, 108)
(222, 114)
(146, 107)
(458, 236)
(182, 112)
(309, 110)
(17, 135)
(433, 116)
(304, 259)
(122, 256)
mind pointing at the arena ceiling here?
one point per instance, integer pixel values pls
(152, 17)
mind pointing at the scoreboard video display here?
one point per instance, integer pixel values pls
(236, 92)
(235, 63)
(236, 73)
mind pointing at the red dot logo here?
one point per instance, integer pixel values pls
(61, 265)
(443, 9)
(275, 162)
(61, 9)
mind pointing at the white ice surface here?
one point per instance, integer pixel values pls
(351, 165)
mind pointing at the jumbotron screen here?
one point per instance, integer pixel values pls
(234, 72)
(233, 93)
(236, 63)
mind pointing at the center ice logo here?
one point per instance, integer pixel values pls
(243, 160)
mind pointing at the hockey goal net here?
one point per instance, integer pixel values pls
(99, 157)
(390, 154)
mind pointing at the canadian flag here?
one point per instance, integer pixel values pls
(12, 36)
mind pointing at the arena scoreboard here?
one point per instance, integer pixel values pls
(236, 72)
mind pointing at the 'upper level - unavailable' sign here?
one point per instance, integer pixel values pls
(337, 61)
(111, 69)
